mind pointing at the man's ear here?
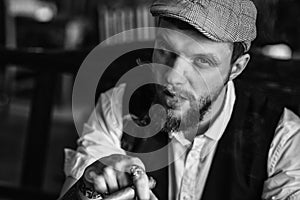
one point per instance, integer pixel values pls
(239, 66)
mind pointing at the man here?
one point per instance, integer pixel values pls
(226, 143)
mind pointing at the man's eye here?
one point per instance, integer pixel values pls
(163, 52)
(202, 62)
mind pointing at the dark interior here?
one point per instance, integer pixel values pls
(39, 61)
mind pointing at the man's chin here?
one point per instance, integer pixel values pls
(176, 121)
(184, 120)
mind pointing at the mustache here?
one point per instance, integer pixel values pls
(177, 92)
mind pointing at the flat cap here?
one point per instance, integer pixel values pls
(219, 20)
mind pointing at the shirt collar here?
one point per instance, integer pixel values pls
(217, 128)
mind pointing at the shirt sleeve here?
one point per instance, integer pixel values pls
(284, 160)
(101, 134)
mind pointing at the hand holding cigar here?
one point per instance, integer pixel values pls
(128, 192)
(122, 178)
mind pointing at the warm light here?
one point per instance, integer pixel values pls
(44, 14)
(39, 10)
(278, 51)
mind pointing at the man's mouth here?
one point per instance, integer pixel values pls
(174, 99)
(174, 102)
(169, 91)
(174, 93)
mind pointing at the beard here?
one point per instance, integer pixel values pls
(191, 118)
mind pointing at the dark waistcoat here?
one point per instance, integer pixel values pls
(239, 166)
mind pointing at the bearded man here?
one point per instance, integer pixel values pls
(224, 142)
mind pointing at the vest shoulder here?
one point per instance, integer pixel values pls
(257, 100)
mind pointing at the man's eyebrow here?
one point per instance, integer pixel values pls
(162, 39)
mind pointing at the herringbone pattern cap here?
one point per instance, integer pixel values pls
(219, 20)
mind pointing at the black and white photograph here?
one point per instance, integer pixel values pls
(149, 100)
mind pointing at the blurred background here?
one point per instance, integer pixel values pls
(42, 45)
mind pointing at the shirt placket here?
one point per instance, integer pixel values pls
(189, 179)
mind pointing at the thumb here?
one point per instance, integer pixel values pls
(141, 184)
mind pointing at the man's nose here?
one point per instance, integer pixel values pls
(176, 74)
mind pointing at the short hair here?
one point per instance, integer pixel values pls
(238, 51)
(238, 47)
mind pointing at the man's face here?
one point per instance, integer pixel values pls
(198, 69)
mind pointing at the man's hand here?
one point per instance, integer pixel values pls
(112, 173)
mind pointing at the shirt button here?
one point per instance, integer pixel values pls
(194, 154)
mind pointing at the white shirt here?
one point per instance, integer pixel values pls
(191, 170)
(102, 134)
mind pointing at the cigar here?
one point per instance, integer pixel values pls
(128, 192)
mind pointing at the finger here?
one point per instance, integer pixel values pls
(141, 184)
(89, 175)
(124, 179)
(138, 162)
(152, 196)
(109, 175)
(100, 184)
(125, 164)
